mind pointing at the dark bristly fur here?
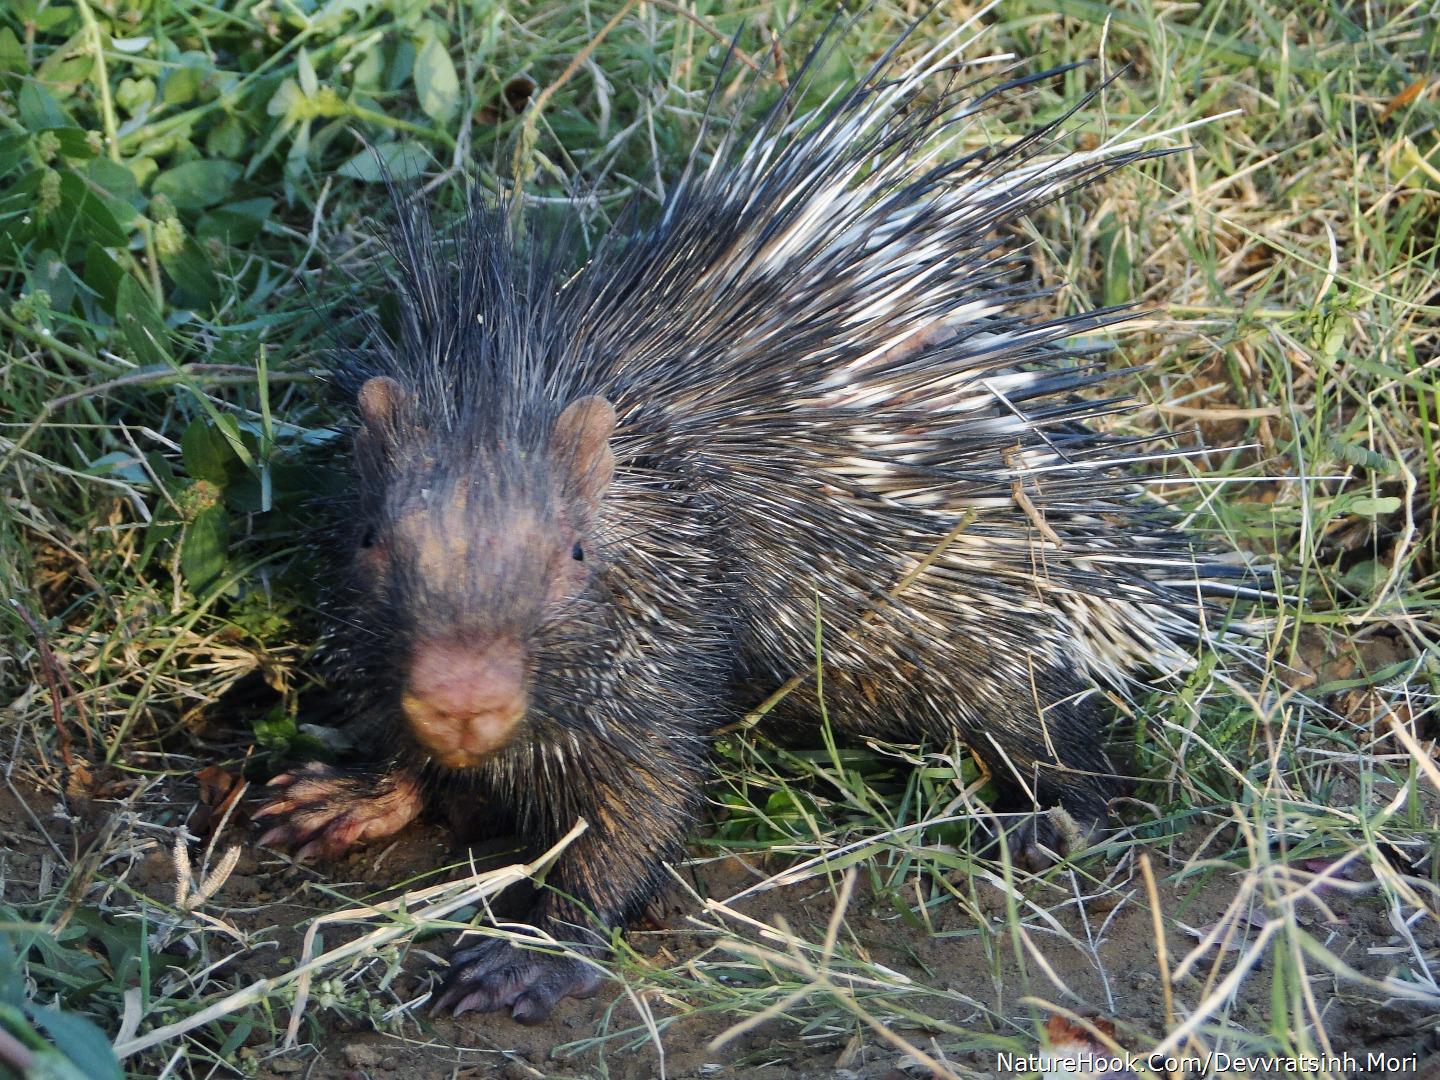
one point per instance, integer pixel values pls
(819, 365)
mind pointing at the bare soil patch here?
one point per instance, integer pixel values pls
(1096, 957)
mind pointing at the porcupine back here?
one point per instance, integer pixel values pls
(831, 324)
(822, 366)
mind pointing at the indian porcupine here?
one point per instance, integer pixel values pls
(596, 507)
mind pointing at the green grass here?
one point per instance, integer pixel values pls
(177, 181)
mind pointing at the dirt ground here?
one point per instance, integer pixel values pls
(271, 897)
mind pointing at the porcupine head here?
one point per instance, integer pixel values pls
(473, 558)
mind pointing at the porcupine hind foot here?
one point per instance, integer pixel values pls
(1045, 836)
(1049, 765)
(325, 811)
(496, 974)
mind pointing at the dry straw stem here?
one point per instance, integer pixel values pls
(1278, 888)
(439, 902)
(854, 851)
(1296, 245)
(529, 129)
(715, 32)
(1162, 959)
(1423, 756)
(819, 979)
(1282, 889)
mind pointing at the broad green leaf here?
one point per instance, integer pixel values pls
(436, 82)
(305, 72)
(401, 160)
(226, 139)
(158, 535)
(12, 53)
(124, 939)
(236, 222)
(114, 185)
(193, 276)
(46, 1062)
(205, 452)
(51, 273)
(182, 85)
(56, 17)
(84, 1044)
(19, 220)
(401, 64)
(67, 66)
(141, 324)
(74, 142)
(197, 185)
(39, 109)
(1375, 507)
(1365, 577)
(366, 75)
(133, 95)
(91, 215)
(121, 464)
(13, 150)
(118, 181)
(287, 101)
(204, 547)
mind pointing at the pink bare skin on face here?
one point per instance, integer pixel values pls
(462, 700)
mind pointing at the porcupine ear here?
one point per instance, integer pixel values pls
(380, 402)
(581, 444)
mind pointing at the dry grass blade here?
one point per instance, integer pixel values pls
(424, 906)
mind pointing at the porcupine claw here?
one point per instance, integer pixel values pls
(325, 811)
(496, 974)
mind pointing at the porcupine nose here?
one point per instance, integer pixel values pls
(463, 699)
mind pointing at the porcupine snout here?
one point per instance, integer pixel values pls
(463, 699)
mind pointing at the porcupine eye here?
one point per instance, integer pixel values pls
(577, 552)
(371, 557)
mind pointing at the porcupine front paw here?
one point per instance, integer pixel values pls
(496, 974)
(325, 811)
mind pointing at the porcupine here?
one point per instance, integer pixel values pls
(596, 508)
